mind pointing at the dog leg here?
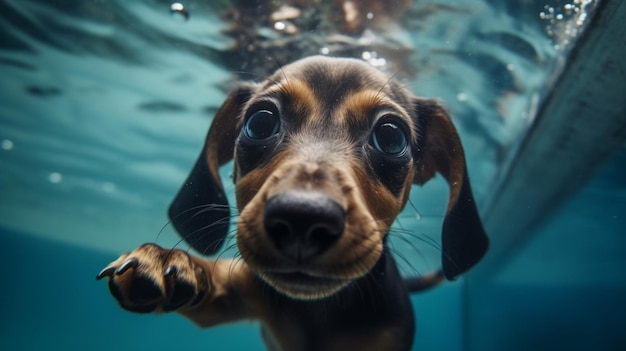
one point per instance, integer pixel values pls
(154, 279)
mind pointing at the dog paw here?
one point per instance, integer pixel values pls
(151, 278)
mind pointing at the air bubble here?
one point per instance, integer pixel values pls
(55, 177)
(279, 25)
(7, 145)
(178, 10)
(108, 187)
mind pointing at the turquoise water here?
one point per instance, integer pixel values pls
(104, 106)
(565, 289)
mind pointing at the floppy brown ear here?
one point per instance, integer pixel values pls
(200, 211)
(464, 241)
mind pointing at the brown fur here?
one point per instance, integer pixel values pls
(328, 109)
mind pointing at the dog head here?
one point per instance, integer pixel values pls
(325, 152)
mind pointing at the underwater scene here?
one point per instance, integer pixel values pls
(105, 106)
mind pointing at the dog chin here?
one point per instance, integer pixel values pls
(301, 286)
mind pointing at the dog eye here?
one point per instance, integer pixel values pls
(389, 138)
(261, 125)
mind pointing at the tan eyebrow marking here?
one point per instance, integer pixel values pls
(357, 109)
(362, 101)
(299, 97)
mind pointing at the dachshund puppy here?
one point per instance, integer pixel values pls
(325, 153)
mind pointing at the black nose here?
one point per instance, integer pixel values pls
(303, 224)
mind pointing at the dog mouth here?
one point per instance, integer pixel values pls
(303, 286)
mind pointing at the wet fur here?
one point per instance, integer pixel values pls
(349, 295)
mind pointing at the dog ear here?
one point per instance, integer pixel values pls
(200, 211)
(439, 149)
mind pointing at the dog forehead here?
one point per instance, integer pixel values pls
(336, 91)
(334, 77)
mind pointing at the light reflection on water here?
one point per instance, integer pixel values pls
(105, 105)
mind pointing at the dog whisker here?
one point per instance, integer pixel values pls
(325, 153)
(202, 230)
(414, 208)
(230, 246)
(403, 233)
(203, 208)
(389, 80)
(241, 72)
(280, 68)
(407, 263)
